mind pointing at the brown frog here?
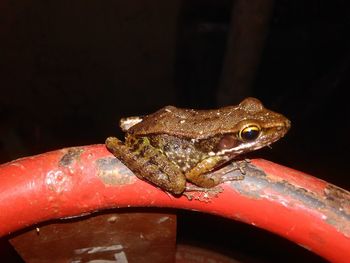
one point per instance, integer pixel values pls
(174, 145)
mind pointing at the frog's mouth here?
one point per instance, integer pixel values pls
(241, 148)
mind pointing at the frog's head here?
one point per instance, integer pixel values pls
(258, 127)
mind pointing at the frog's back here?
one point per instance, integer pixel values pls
(199, 124)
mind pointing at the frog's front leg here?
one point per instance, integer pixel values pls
(200, 176)
(149, 164)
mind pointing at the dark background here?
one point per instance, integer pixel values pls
(70, 69)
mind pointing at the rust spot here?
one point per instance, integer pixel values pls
(114, 172)
(254, 182)
(338, 198)
(70, 156)
(333, 205)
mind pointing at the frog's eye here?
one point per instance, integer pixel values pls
(249, 133)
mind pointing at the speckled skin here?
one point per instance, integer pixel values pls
(174, 145)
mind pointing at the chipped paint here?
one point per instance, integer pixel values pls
(121, 257)
(92, 250)
(338, 198)
(100, 254)
(163, 219)
(332, 207)
(112, 172)
(58, 181)
(72, 155)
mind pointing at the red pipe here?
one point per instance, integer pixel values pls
(80, 180)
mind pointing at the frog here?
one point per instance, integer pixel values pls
(174, 146)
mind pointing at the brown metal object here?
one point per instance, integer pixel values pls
(248, 29)
(115, 237)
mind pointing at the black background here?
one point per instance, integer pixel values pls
(70, 69)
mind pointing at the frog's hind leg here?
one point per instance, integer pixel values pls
(149, 164)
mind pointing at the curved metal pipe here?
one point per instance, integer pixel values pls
(80, 180)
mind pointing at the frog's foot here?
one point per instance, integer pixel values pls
(231, 177)
(193, 192)
(234, 171)
(240, 165)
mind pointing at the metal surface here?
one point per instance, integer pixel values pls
(81, 180)
(114, 237)
(192, 254)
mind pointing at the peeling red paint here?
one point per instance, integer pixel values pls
(80, 180)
